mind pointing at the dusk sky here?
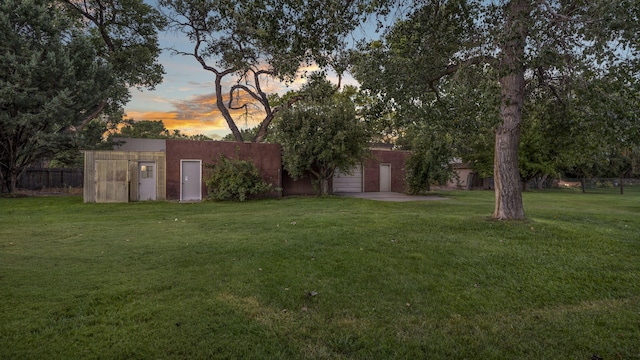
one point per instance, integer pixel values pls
(186, 99)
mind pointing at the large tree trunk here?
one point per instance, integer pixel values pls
(223, 109)
(508, 189)
(324, 187)
(9, 181)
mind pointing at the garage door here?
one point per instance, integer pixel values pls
(348, 181)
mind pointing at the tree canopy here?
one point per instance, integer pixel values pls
(152, 129)
(560, 47)
(320, 134)
(50, 78)
(124, 34)
(67, 67)
(147, 129)
(253, 41)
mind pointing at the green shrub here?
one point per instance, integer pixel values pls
(429, 163)
(234, 179)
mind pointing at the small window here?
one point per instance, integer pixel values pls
(146, 171)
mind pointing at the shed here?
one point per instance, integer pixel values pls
(159, 169)
(123, 176)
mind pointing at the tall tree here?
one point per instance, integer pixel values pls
(320, 134)
(245, 43)
(514, 38)
(124, 34)
(50, 77)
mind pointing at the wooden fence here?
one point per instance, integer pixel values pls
(43, 178)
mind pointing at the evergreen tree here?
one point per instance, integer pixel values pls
(50, 78)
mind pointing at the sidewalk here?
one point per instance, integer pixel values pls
(391, 196)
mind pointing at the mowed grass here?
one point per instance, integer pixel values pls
(328, 278)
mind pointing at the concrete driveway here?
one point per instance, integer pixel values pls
(391, 196)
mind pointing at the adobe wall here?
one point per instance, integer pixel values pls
(266, 157)
(397, 159)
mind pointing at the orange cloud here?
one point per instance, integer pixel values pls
(200, 115)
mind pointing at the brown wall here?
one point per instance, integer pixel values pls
(396, 158)
(266, 157)
(302, 186)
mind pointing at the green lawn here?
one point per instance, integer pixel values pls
(332, 278)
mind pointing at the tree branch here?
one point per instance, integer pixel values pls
(92, 115)
(561, 17)
(247, 90)
(98, 21)
(452, 69)
(554, 91)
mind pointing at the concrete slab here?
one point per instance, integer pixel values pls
(391, 196)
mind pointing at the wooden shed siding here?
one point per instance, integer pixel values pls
(133, 157)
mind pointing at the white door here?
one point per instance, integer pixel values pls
(146, 181)
(385, 177)
(191, 180)
(348, 181)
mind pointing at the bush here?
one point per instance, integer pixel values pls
(234, 179)
(429, 163)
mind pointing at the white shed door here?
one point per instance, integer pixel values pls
(385, 177)
(146, 181)
(348, 181)
(191, 180)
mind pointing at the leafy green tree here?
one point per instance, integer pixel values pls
(250, 42)
(431, 161)
(147, 129)
(118, 36)
(50, 78)
(91, 137)
(561, 40)
(321, 134)
(246, 134)
(125, 35)
(152, 129)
